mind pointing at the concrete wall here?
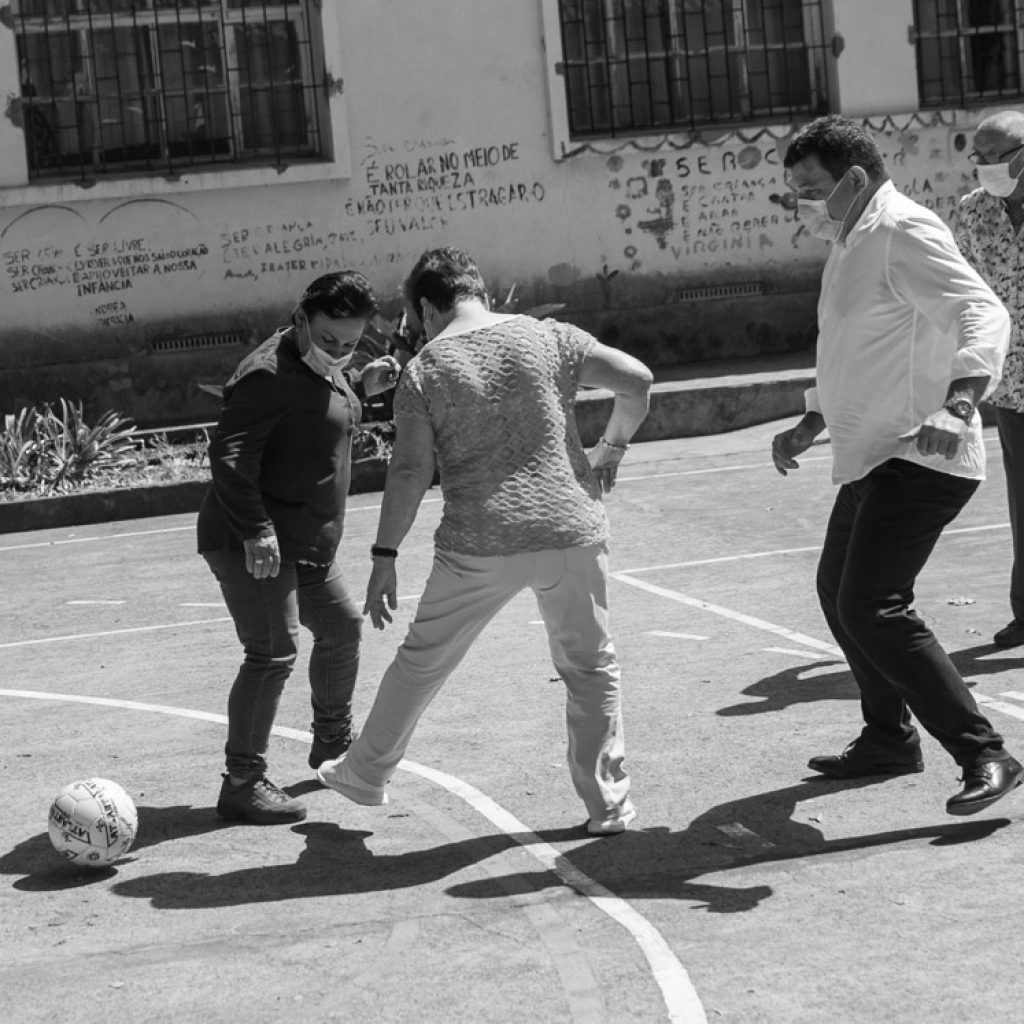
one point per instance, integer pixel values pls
(676, 248)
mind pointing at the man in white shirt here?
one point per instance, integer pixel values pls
(910, 340)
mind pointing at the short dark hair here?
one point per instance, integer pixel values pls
(839, 144)
(341, 295)
(444, 276)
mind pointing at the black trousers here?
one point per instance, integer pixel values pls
(1011, 437)
(881, 532)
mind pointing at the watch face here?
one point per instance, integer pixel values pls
(961, 408)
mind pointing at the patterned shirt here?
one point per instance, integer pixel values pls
(500, 401)
(987, 238)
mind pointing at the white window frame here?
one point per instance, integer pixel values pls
(16, 188)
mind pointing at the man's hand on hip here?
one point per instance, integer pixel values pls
(940, 434)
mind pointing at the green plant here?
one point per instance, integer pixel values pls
(72, 450)
(19, 449)
(47, 450)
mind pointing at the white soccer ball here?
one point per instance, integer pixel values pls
(93, 822)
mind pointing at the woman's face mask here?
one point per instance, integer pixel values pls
(330, 342)
(996, 179)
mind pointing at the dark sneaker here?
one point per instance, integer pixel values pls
(321, 751)
(258, 802)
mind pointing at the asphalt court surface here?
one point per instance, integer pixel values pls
(749, 892)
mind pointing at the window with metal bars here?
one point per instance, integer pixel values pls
(968, 51)
(634, 66)
(115, 87)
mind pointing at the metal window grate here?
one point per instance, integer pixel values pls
(708, 293)
(198, 341)
(655, 65)
(162, 86)
(968, 51)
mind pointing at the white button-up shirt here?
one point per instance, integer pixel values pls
(901, 315)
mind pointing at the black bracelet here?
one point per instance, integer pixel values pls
(376, 551)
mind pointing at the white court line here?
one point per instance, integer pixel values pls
(95, 602)
(728, 613)
(153, 533)
(786, 551)
(1015, 694)
(1013, 710)
(799, 654)
(679, 636)
(111, 632)
(680, 997)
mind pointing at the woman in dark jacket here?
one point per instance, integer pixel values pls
(270, 525)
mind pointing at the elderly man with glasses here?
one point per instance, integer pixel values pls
(989, 235)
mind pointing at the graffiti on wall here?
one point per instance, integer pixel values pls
(420, 185)
(701, 204)
(732, 204)
(282, 247)
(53, 252)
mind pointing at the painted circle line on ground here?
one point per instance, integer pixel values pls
(680, 997)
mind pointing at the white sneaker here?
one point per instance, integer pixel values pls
(612, 826)
(337, 775)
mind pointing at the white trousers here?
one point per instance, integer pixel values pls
(463, 593)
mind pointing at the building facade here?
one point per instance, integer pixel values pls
(174, 172)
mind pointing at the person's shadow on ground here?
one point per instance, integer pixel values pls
(652, 863)
(978, 661)
(805, 684)
(802, 684)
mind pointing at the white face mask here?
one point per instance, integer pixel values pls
(819, 222)
(318, 360)
(996, 179)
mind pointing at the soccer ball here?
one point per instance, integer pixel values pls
(93, 822)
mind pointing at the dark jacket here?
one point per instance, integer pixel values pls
(280, 457)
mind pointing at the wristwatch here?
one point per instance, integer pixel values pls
(961, 408)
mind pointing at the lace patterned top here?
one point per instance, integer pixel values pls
(988, 241)
(501, 401)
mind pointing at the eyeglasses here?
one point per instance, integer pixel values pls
(979, 158)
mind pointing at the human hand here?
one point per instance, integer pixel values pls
(380, 375)
(381, 592)
(262, 556)
(788, 445)
(940, 434)
(604, 461)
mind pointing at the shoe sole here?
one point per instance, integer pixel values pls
(962, 810)
(882, 769)
(365, 797)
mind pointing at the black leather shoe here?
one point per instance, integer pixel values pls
(984, 784)
(858, 761)
(1011, 635)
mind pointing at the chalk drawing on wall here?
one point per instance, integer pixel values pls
(716, 205)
